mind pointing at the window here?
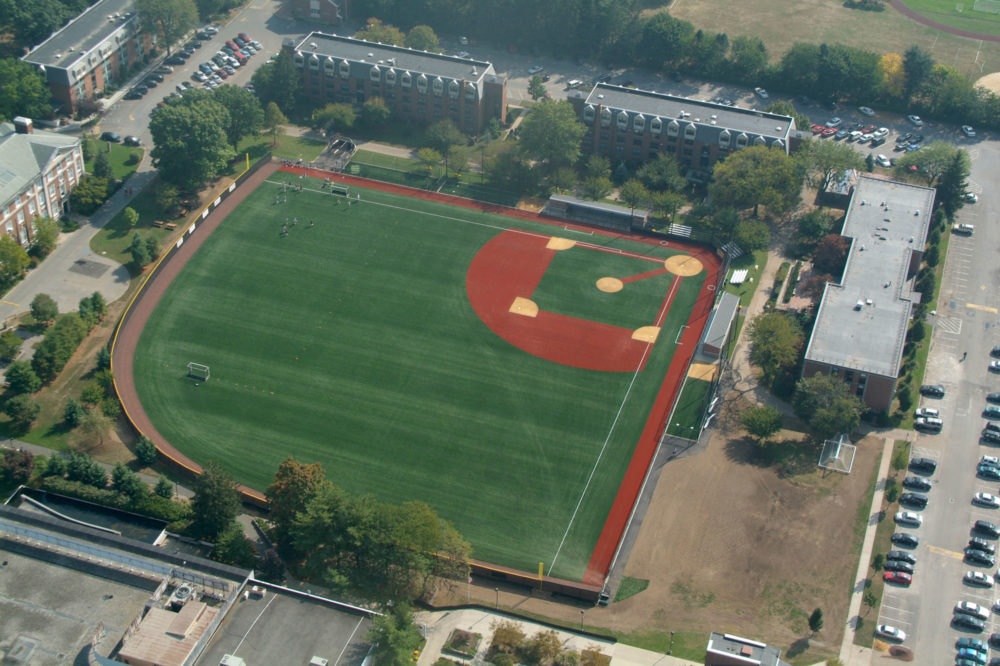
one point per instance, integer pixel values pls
(605, 117)
(406, 80)
(673, 128)
(637, 152)
(619, 149)
(636, 142)
(422, 83)
(589, 113)
(655, 126)
(639, 123)
(689, 131)
(622, 121)
(437, 85)
(390, 77)
(375, 74)
(344, 68)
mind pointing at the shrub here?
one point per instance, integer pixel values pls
(145, 451)
(10, 344)
(792, 281)
(134, 158)
(21, 378)
(891, 491)
(17, 465)
(74, 412)
(149, 504)
(22, 411)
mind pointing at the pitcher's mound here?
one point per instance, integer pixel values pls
(610, 285)
(683, 264)
(646, 333)
(556, 243)
(524, 306)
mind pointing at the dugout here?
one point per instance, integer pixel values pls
(595, 213)
(717, 331)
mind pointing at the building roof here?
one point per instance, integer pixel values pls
(397, 57)
(735, 649)
(167, 637)
(600, 206)
(72, 42)
(666, 106)
(722, 319)
(861, 323)
(25, 157)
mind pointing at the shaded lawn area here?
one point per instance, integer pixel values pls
(117, 157)
(686, 420)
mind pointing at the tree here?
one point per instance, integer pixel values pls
(752, 234)
(816, 224)
(633, 193)
(25, 92)
(338, 117)
(215, 504)
(59, 343)
(551, 133)
(893, 75)
(877, 561)
(22, 411)
(776, 340)
(73, 412)
(597, 188)
(917, 64)
(295, 485)
(869, 599)
(664, 40)
(152, 247)
(44, 309)
(46, 236)
(826, 404)
(376, 31)
(754, 176)
(429, 157)
(597, 166)
(279, 82)
(169, 20)
(422, 38)
(831, 255)
(81, 467)
(164, 487)
(443, 136)
(930, 162)
(145, 451)
(190, 142)
(232, 547)
(137, 248)
(10, 345)
(21, 378)
(273, 120)
(747, 58)
(127, 482)
(511, 170)
(94, 426)
(13, 260)
(953, 182)
(166, 196)
(374, 112)
(89, 194)
(536, 88)
(543, 648)
(667, 203)
(245, 113)
(394, 636)
(786, 108)
(17, 465)
(823, 161)
(816, 621)
(102, 167)
(662, 174)
(761, 422)
(799, 68)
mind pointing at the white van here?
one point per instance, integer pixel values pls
(573, 83)
(966, 229)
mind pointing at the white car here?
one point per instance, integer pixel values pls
(535, 69)
(968, 131)
(881, 131)
(994, 366)
(915, 120)
(909, 518)
(978, 578)
(970, 197)
(856, 135)
(890, 632)
(986, 499)
(865, 111)
(924, 412)
(866, 137)
(973, 609)
(990, 460)
(882, 160)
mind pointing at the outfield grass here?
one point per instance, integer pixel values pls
(959, 15)
(352, 343)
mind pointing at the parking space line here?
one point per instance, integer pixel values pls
(947, 553)
(984, 308)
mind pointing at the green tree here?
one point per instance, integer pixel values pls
(279, 81)
(394, 637)
(823, 161)
(667, 203)
(374, 112)
(59, 343)
(536, 87)
(127, 482)
(761, 422)
(16, 465)
(443, 136)
(169, 20)
(81, 467)
(137, 248)
(747, 58)
(232, 547)
(752, 234)
(877, 561)
(377, 31)
(664, 40)
(102, 166)
(145, 451)
(166, 197)
(44, 309)
(551, 133)
(429, 157)
(511, 170)
(422, 38)
(153, 247)
(131, 216)
(776, 340)
(597, 166)
(786, 108)
(273, 120)
(74, 412)
(89, 194)
(245, 113)
(930, 162)
(827, 406)
(869, 599)
(633, 193)
(21, 378)
(215, 504)
(25, 92)
(338, 117)
(597, 188)
(295, 485)
(95, 426)
(10, 345)
(816, 224)
(22, 411)
(754, 176)
(953, 182)
(164, 487)
(46, 236)
(543, 648)
(13, 260)
(917, 64)
(190, 142)
(662, 174)
(816, 621)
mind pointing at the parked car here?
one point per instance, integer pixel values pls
(994, 366)
(980, 557)
(135, 93)
(111, 136)
(992, 427)
(993, 397)
(535, 69)
(927, 411)
(834, 122)
(905, 539)
(928, 465)
(982, 544)
(973, 609)
(974, 656)
(878, 141)
(917, 122)
(932, 390)
(890, 632)
(897, 577)
(898, 565)
(760, 92)
(986, 499)
(991, 530)
(995, 640)
(991, 412)
(968, 131)
(164, 69)
(244, 36)
(882, 161)
(978, 578)
(974, 643)
(968, 622)
(917, 483)
(990, 472)
(865, 111)
(909, 518)
(989, 460)
(175, 59)
(990, 435)
(963, 228)
(902, 556)
(841, 134)
(916, 500)
(929, 423)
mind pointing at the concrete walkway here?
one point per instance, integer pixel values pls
(851, 654)
(438, 625)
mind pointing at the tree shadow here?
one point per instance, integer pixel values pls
(797, 647)
(791, 457)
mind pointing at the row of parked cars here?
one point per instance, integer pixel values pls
(224, 64)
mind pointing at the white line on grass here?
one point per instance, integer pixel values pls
(600, 454)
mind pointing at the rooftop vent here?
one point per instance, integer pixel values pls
(371, 55)
(860, 304)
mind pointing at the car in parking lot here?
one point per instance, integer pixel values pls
(882, 161)
(929, 423)
(111, 136)
(902, 556)
(916, 483)
(932, 390)
(982, 544)
(909, 518)
(974, 643)
(535, 69)
(978, 578)
(991, 412)
(917, 500)
(878, 141)
(974, 656)
(841, 134)
(905, 539)
(898, 565)
(132, 141)
(760, 92)
(991, 530)
(968, 622)
(926, 465)
(990, 435)
(988, 472)
(989, 460)
(986, 499)
(834, 122)
(927, 411)
(135, 93)
(866, 111)
(973, 609)
(994, 366)
(897, 577)
(890, 632)
(915, 120)
(992, 427)
(164, 69)
(993, 397)
(968, 131)
(175, 59)
(980, 557)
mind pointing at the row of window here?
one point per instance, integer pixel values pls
(673, 129)
(405, 79)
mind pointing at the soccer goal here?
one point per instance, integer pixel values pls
(838, 455)
(199, 371)
(342, 190)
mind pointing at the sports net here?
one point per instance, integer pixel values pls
(199, 371)
(838, 455)
(988, 6)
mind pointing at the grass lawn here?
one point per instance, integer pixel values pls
(114, 238)
(754, 263)
(353, 343)
(686, 419)
(960, 15)
(118, 155)
(289, 147)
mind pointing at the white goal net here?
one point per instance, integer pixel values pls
(199, 371)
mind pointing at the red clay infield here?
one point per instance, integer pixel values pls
(510, 265)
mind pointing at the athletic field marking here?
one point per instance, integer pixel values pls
(578, 231)
(614, 424)
(704, 371)
(610, 285)
(680, 331)
(984, 308)
(524, 306)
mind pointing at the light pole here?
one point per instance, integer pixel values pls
(581, 619)
(670, 650)
(498, 597)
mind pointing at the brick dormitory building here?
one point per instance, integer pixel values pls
(416, 85)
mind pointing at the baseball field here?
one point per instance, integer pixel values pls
(503, 370)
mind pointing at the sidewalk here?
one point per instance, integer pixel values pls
(438, 625)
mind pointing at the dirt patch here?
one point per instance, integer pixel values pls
(683, 264)
(557, 243)
(991, 82)
(704, 371)
(646, 333)
(610, 285)
(524, 306)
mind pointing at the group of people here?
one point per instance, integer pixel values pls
(295, 220)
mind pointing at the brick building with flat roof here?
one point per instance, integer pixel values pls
(862, 321)
(416, 85)
(331, 12)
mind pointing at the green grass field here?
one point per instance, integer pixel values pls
(352, 343)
